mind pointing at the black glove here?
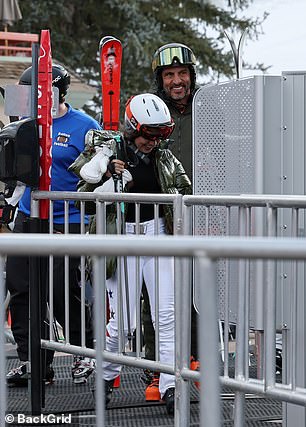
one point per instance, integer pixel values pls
(111, 166)
(9, 189)
(7, 214)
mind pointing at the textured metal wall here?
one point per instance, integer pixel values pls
(237, 125)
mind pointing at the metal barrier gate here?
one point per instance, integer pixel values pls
(249, 138)
(184, 247)
(255, 215)
(206, 250)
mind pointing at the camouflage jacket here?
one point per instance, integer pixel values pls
(169, 171)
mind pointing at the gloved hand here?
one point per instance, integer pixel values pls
(93, 171)
(109, 185)
(12, 194)
(7, 214)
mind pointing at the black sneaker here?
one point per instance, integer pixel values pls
(168, 398)
(82, 368)
(108, 390)
(49, 375)
(18, 376)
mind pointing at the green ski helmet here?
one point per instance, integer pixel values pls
(172, 54)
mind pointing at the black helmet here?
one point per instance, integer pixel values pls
(60, 79)
(172, 54)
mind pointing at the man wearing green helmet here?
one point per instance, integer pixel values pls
(174, 71)
(175, 82)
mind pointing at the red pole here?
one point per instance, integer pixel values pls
(45, 117)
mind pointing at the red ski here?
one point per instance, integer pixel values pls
(44, 118)
(110, 62)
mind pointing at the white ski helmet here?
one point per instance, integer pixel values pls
(147, 115)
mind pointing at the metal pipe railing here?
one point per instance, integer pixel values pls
(210, 249)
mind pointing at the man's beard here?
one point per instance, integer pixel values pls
(179, 96)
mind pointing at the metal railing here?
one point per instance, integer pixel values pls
(207, 251)
(255, 215)
(249, 289)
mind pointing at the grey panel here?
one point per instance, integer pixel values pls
(293, 274)
(249, 137)
(18, 100)
(236, 139)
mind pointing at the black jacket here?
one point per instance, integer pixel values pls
(181, 146)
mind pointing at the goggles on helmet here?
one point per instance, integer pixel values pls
(154, 133)
(171, 54)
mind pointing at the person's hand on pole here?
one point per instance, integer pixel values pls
(115, 167)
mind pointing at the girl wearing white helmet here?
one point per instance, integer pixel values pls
(147, 124)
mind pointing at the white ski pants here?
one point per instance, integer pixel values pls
(166, 304)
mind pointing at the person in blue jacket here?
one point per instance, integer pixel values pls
(68, 139)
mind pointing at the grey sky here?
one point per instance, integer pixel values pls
(283, 46)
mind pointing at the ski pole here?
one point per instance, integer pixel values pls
(119, 189)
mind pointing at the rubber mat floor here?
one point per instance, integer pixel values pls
(128, 407)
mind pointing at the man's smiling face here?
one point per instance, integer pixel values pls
(176, 82)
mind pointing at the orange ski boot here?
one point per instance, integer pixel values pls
(195, 366)
(152, 391)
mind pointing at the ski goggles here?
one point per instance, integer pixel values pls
(154, 133)
(169, 55)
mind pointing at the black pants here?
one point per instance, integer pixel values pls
(17, 280)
